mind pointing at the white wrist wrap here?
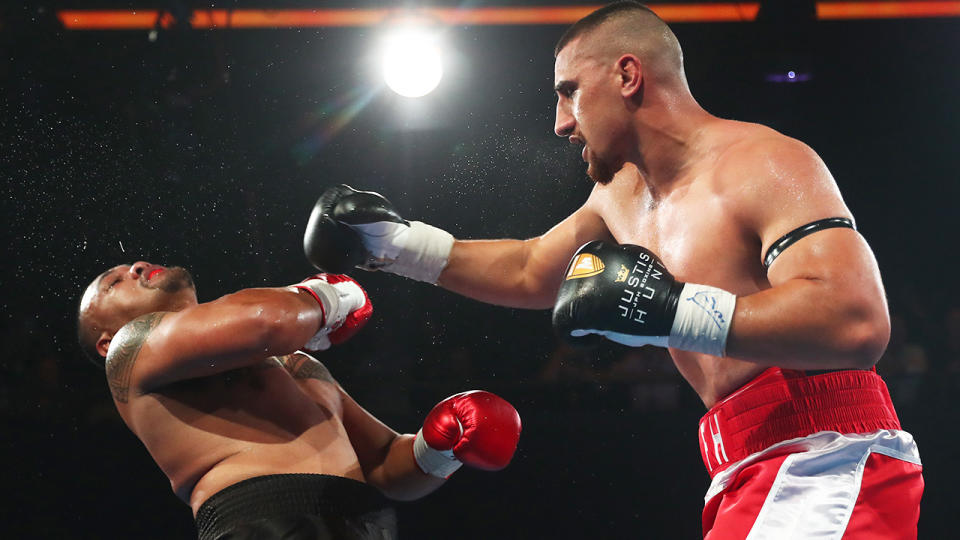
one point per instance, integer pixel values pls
(423, 254)
(439, 463)
(418, 252)
(703, 319)
(337, 300)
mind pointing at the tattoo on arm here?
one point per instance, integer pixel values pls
(302, 366)
(124, 351)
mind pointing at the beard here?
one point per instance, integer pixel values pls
(176, 279)
(599, 170)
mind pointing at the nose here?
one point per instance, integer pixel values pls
(563, 126)
(137, 268)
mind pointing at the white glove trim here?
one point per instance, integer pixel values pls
(439, 463)
(337, 301)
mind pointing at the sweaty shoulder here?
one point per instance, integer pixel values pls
(125, 348)
(774, 184)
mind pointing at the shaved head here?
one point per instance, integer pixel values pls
(123, 293)
(88, 327)
(628, 28)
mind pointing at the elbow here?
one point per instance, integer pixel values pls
(866, 340)
(273, 330)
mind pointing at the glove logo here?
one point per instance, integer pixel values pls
(622, 274)
(585, 265)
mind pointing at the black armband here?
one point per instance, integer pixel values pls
(788, 239)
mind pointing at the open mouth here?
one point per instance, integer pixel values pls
(153, 273)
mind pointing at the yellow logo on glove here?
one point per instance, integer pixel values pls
(585, 265)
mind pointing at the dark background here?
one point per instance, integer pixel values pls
(207, 149)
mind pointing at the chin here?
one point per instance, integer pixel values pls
(176, 280)
(599, 172)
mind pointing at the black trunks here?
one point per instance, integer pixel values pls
(297, 506)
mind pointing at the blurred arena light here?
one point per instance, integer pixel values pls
(412, 59)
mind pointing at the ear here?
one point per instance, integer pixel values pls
(630, 71)
(103, 343)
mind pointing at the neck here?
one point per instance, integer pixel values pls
(668, 131)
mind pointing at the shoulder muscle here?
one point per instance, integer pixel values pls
(780, 184)
(124, 352)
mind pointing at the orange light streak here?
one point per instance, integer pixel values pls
(300, 18)
(886, 10)
(307, 18)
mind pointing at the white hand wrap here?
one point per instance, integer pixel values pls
(337, 300)
(419, 251)
(703, 319)
(439, 463)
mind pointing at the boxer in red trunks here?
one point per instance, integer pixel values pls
(256, 436)
(776, 314)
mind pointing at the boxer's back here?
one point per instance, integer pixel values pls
(210, 432)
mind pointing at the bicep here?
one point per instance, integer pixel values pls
(796, 189)
(549, 254)
(837, 256)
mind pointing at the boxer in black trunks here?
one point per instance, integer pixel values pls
(256, 435)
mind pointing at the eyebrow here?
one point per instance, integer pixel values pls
(102, 276)
(563, 86)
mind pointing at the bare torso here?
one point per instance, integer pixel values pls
(695, 230)
(211, 432)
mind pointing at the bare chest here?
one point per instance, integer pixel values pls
(695, 234)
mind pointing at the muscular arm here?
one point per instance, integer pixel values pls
(385, 456)
(520, 273)
(230, 332)
(826, 307)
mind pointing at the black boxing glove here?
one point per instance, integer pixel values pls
(361, 228)
(625, 294)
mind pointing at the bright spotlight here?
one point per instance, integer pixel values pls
(412, 63)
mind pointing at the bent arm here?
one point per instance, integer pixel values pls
(385, 456)
(520, 273)
(230, 332)
(825, 310)
(826, 307)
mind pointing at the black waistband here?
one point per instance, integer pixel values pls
(264, 497)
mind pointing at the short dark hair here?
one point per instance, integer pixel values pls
(597, 18)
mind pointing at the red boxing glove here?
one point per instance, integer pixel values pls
(477, 428)
(346, 308)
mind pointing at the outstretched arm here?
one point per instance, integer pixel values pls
(360, 228)
(520, 273)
